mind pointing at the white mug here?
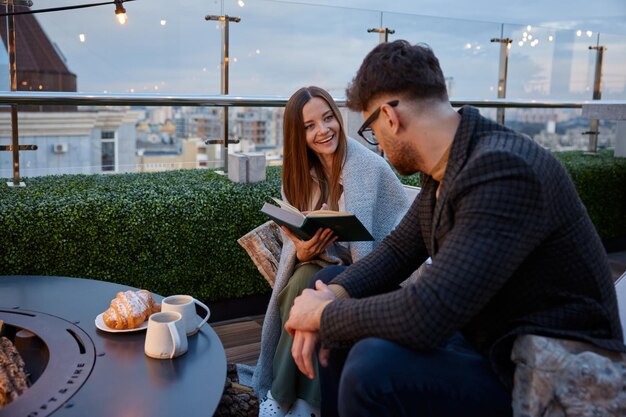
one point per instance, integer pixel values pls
(165, 337)
(186, 306)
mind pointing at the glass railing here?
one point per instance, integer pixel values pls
(167, 52)
(107, 136)
(279, 46)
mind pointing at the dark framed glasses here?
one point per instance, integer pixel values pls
(365, 131)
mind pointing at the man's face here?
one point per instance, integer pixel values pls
(366, 131)
(393, 144)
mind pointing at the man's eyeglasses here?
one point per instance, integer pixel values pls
(366, 132)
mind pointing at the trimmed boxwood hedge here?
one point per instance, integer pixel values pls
(600, 180)
(171, 232)
(176, 232)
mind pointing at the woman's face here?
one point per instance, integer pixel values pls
(321, 127)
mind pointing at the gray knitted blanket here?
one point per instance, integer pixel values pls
(375, 195)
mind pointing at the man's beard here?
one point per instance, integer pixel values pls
(405, 160)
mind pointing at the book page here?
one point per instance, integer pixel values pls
(317, 213)
(327, 213)
(286, 206)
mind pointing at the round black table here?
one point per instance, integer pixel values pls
(123, 380)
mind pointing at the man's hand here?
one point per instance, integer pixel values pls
(303, 325)
(307, 309)
(303, 349)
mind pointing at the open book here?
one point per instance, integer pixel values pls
(345, 225)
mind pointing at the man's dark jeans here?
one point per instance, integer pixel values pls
(377, 377)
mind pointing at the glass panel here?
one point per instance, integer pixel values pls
(467, 57)
(279, 47)
(559, 64)
(162, 48)
(549, 64)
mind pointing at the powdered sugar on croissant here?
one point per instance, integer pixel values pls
(129, 309)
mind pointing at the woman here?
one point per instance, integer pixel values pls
(322, 168)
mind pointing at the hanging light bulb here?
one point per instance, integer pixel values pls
(25, 3)
(120, 12)
(122, 18)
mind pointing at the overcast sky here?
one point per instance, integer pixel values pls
(599, 15)
(278, 46)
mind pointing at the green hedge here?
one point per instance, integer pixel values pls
(601, 183)
(172, 232)
(176, 232)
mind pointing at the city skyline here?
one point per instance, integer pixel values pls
(281, 45)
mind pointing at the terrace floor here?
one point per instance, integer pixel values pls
(241, 337)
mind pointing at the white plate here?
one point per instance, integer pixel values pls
(100, 324)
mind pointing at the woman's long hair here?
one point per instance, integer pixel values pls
(298, 159)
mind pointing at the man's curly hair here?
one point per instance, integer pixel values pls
(397, 67)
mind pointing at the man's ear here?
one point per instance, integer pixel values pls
(390, 117)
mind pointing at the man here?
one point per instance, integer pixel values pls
(513, 253)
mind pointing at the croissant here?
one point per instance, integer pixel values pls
(13, 380)
(129, 309)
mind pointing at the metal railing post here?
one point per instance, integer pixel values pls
(383, 32)
(15, 148)
(225, 19)
(505, 45)
(383, 37)
(224, 87)
(597, 95)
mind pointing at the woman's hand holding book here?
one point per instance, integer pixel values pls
(309, 249)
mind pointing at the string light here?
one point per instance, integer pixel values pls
(120, 12)
(119, 8)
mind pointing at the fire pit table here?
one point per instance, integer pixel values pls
(80, 370)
